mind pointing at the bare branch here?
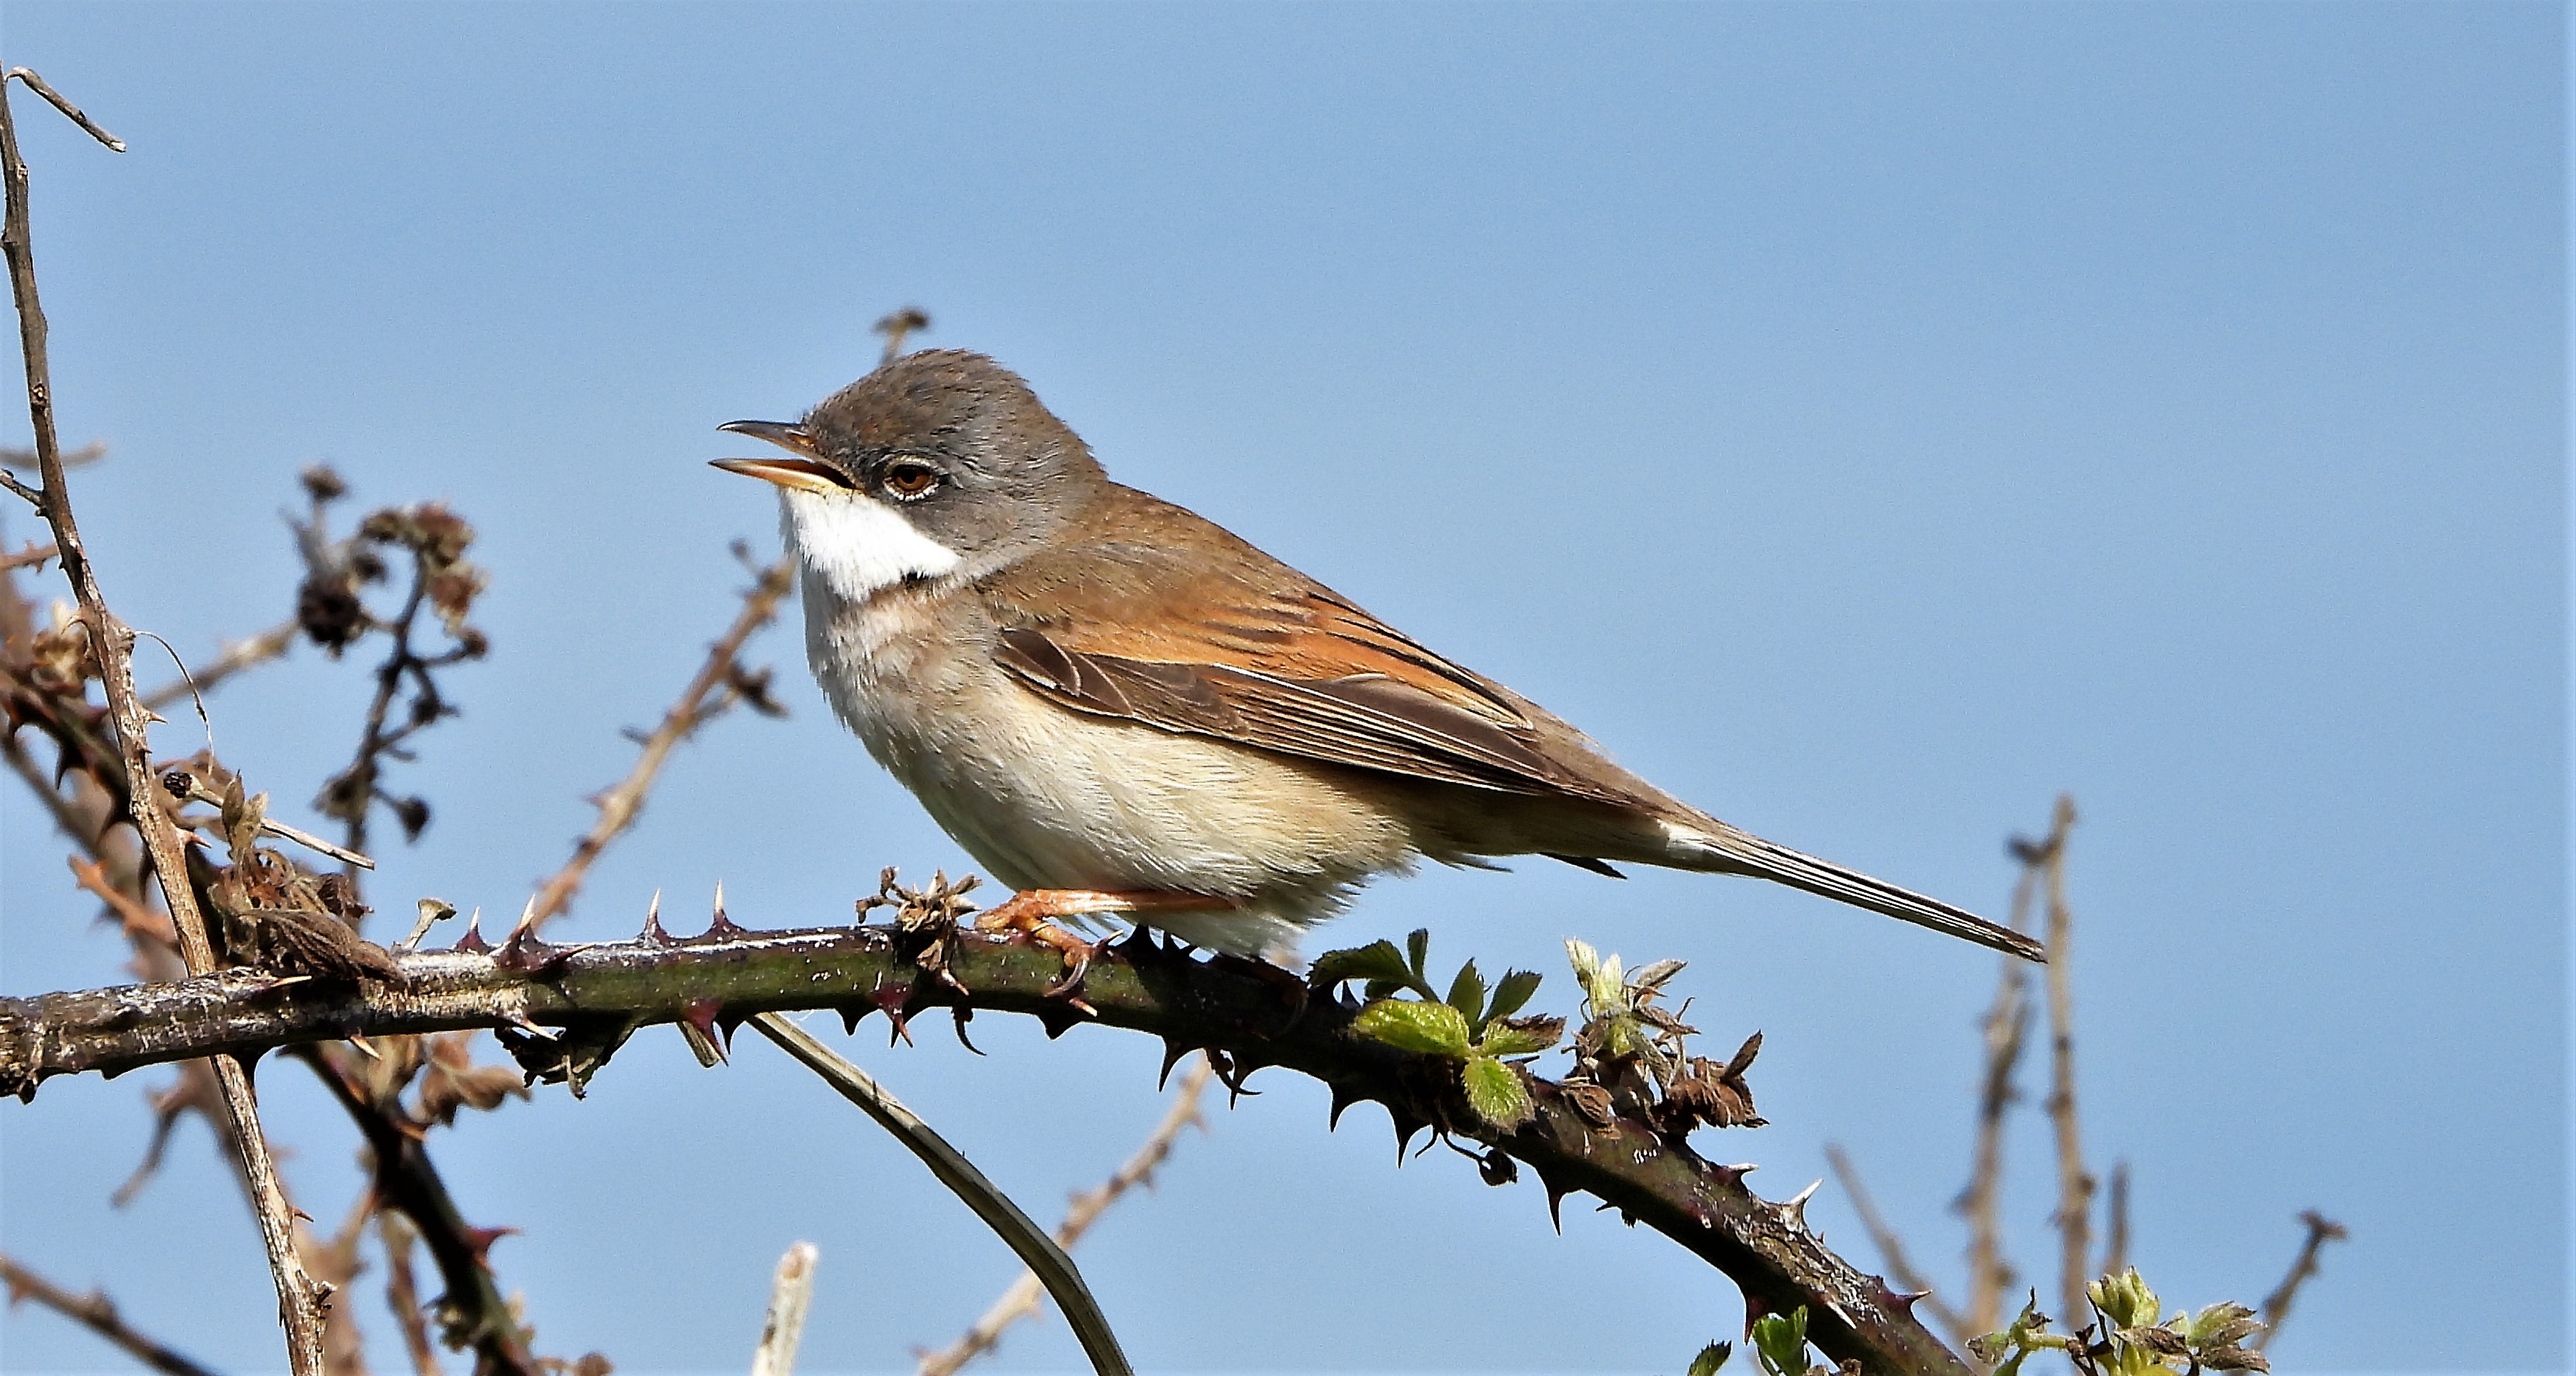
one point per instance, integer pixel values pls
(197, 792)
(2005, 1029)
(478, 1314)
(33, 556)
(97, 1313)
(718, 678)
(791, 1291)
(70, 111)
(1890, 1246)
(246, 654)
(597, 993)
(896, 328)
(1028, 1292)
(300, 1296)
(402, 1292)
(2276, 1306)
(2115, 1250)
(2074, 1187)
(1005, 1218)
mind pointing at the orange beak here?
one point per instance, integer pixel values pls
(804, 472)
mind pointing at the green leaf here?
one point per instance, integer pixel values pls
(1512, 991)
(1780, 1340)
(1376, 962)
(1710, 1358)
(1467, 995)
(1497, 1093)
(1520, 1036)
(1384, 989)
(1434, 1029)
(1417, 948)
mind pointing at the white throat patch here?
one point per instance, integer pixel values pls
(859, 544)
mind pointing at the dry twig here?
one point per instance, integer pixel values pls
(1899, 1267)
(897, 327)
(2006, 1029)
(1028, 1292)
(236, 657)
(300, 1296)
(2115, 1250)
(791, 1292)
(2074, 1214)
(721, 679)
(97, 1313)
(2276, 1306)
(1039, 1251)
(402, 1292)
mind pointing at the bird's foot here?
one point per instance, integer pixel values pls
(1033, 913)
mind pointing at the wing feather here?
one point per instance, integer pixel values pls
(1205, 635)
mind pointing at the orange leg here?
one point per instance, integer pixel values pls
(1033, 913)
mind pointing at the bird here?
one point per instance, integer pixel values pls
(1122, 710)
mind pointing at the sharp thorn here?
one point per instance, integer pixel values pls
(1343, 1098)
(1795, 1210)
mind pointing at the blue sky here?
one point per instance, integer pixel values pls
(1866, 420)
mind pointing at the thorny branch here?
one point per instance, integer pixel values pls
(51, 694)
(720, 683)
(1027, 1293)
(300, 1296)
(596, 995)
(97, 1313)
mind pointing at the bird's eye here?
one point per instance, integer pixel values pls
(910, 480)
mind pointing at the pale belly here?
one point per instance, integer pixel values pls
(1045, 797)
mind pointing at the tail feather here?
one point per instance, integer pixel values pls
(1726, 849)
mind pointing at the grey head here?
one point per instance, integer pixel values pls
(939, 460)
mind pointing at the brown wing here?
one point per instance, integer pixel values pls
(1172, 622)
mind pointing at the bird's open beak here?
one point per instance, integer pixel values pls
(803, 472)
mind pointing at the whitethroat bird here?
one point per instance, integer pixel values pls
(1117, 707)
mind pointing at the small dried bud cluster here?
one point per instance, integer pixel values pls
(1632, 1055)
(272, 912)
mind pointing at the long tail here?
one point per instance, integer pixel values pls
(1726, 850)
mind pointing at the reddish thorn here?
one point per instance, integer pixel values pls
(721, 928)
(473, 939)
(701, 1014)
